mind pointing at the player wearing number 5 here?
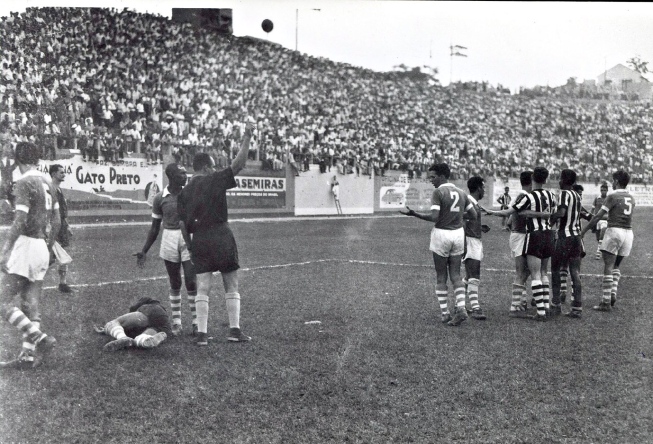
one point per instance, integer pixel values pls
(618, 239)
(25, 256)
(448, 205)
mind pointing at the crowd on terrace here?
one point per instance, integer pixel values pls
(114, 83)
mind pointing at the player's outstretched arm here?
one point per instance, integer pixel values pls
(151, 238)
(430, 217)
(241, 158)
(597, 217)
(506, 212)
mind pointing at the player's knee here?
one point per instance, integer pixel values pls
(111, 325)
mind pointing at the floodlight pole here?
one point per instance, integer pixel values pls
(297, 26)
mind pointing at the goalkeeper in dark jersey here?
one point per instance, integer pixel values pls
(145, 326)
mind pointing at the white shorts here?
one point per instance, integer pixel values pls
(29, 258)
(602, 225)
(473, 249)
(447, 243)
(517, 244)
(173, 247)
(618, 241)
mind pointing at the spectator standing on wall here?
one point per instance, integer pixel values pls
(504, 200)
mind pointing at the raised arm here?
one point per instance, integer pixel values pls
(240, 160)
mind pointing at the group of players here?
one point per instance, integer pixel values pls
(197, 238)
(545, 227)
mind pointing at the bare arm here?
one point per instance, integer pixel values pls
(240, 160)
(430, 217)
(561, 212)
(151, 235)
(17, 227)
(597, 217)
(55, 226)
(506, 212)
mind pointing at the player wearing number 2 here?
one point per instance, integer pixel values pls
(448, 205)
(618, 239)
(25, 256)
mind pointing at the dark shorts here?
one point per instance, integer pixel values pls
(147, 316)
(214, 250)
(568, 248)
(540, 244)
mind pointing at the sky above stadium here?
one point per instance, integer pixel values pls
(508, 43)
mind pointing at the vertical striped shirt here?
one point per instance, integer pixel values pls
(569, 224)
(540, 201)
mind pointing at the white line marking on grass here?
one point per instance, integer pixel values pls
(317, 261)
(242, 220)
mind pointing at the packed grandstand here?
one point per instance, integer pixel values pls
(114, 84)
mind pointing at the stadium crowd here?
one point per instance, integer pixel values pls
(111, 83)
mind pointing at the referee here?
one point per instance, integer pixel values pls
(202, 208)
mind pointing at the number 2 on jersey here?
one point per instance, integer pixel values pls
(456, 197)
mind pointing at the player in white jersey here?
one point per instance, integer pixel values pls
(618, 240)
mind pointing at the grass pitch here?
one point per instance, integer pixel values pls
(379, 366)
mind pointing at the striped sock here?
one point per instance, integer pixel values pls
(202, 310)
(442, 294)
(517, 291)
(546, 292)
(616, 275)
(17, 318)
(28, 348)
(459, 293)
(538, 295)
(472, 293)
(564, 273)
(115, 330)
(191, 305)
(233, 309)
(606, 287)
(175, 305)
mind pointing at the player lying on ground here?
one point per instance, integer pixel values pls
(145, 326)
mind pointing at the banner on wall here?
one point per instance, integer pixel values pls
(258, 192)
(130, 179)
(404, 192)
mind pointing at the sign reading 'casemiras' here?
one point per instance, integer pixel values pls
(260, 184)
(258, 192)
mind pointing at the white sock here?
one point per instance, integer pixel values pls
(202, 310)
(233, 309)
